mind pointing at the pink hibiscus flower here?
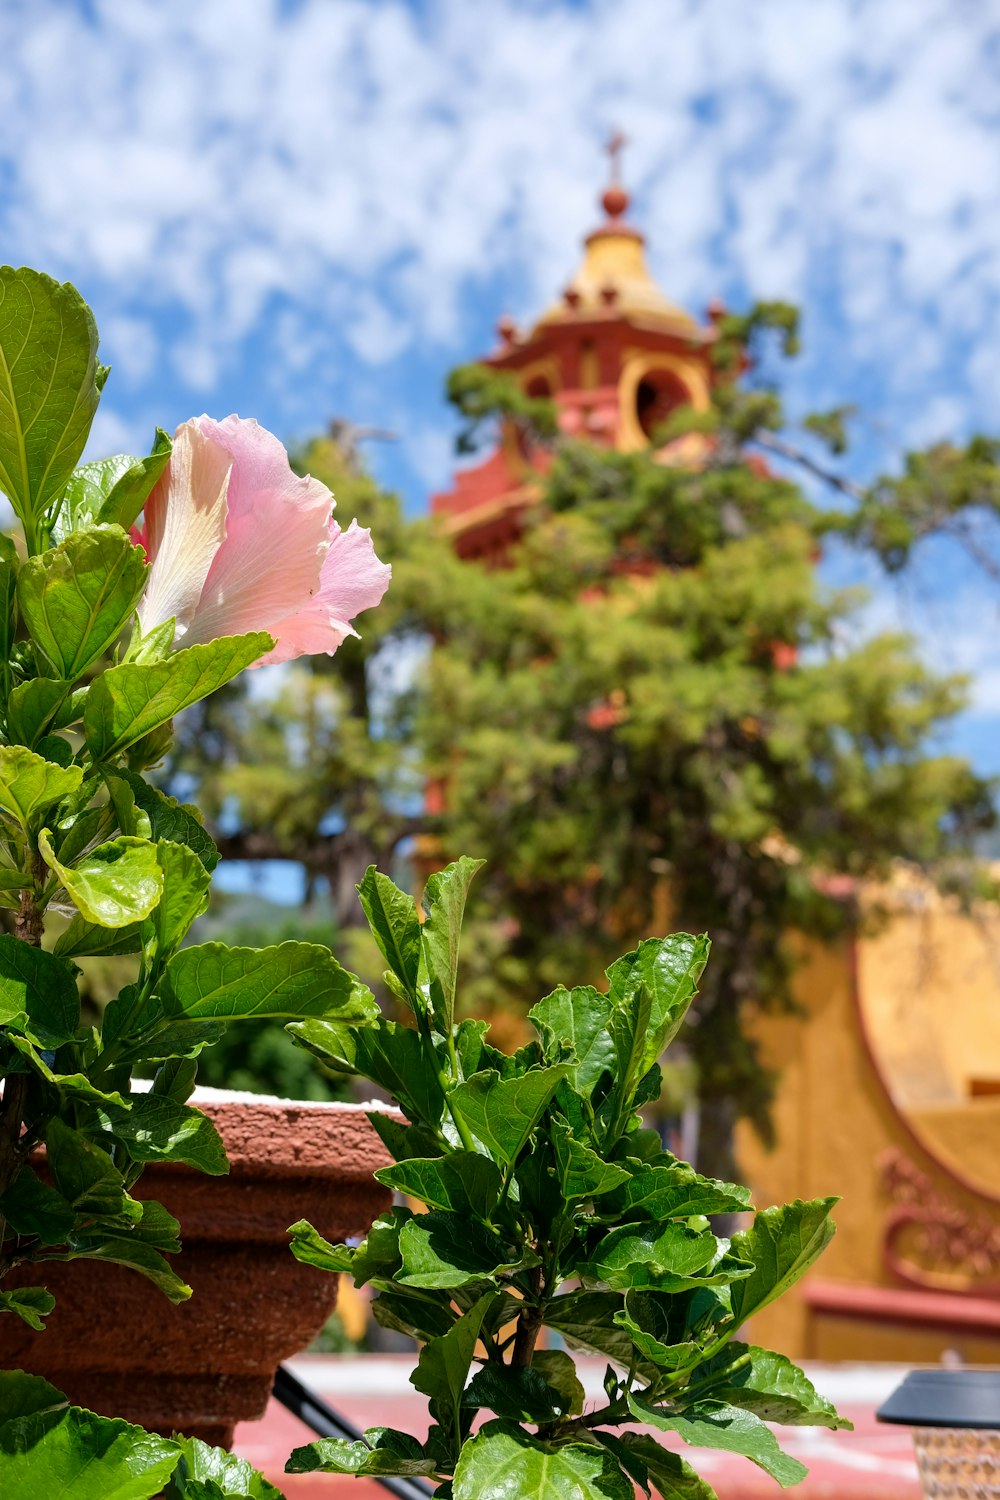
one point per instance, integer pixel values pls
(236, 542)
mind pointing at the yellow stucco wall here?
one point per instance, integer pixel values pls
(930, 1003)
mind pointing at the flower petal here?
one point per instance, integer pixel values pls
(184, 527)
(277, 536)
(352, 580)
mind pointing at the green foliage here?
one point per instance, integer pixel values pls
(48, 1447)
(86, 705)
(549, 1205)
(485, 397)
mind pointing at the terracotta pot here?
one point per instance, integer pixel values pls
(115, 1344)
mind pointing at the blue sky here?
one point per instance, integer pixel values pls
(313, 208)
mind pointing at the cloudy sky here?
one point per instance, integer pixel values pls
(298, 209)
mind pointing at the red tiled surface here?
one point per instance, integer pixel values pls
(874, 1462)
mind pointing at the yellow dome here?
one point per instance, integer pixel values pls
(614, 281)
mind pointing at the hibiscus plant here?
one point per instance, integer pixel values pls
(108, 632)
(549, 1206)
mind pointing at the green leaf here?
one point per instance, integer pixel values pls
(85, 939)
(70, 1085)
(419, 1314)
(395, 1057)
(402, 1141)
(130, 1251)
(517, 1393)
(463, 1181)
(729, 1429)
(128, 702)
(309, 1247)
(395, 926)
(30, 785)
(444, 1363)
(676, 1191)
(504, 1463)
(668, 1257)
(24, 1395)
(502, 1113)
(32, 1207)
(113, 490)
(77, 1453)
(42, 988)
(650, 990)
(586, 1321)
(211, 982)
(176, 822)
(781, 1244)
(39, 707)
(176, 1078)
(672, 1475)
(559, 1371)
(155, 1128)
(185, 896)
(48, 388)
(77, 598)
(660, 1327)
(445, 895)
(447, 1250)
(770, 1386)
(30, 1303)
(579, 1019)
(222, 1473)
(85, 1176)
(384, 1451)
(580, 1172)
(114, 885)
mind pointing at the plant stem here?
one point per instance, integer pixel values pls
(28, 927)
(529, 1324)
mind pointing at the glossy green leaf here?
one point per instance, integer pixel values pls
(445, 895)
(729, 1429)
(177, 822)
(417, 1314)
(85, 1175)
(30, 785)
(211, 982)
(24, 1395)
(77, 1453)
(77, 598)
(670, 1257)
(651, 990)
(86, 939)
(395, 1057)
(559, 1371)
(660, 1327)
(463, 1181)
(155, 1128)
(519, 1393)
(384, 1451)
(185, 896)
(395, 926)
(309, 1247)
(126, 703)
(671, 1475)
(48, 388)
(502, 1113)
(781, 1244)
(448, 1250)
(579, 1019)
(32, 1207)
(39, 707)
(130, 1251)
(32, 1304)
(504, 1463)
(580, 1172)
(676, 1191)
(41, 987)
(586, 1321)
(113, 490)
(770, 1386)
(114, 885)
(443, 1365)
(203, 1468)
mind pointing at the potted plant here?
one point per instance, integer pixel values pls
(549, 1206)
(108, 628)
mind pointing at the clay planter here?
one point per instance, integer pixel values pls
(115, 1344)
